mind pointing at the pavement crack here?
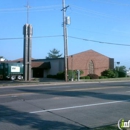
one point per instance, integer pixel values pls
(87, 128)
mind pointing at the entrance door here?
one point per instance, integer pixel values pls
(38, 72)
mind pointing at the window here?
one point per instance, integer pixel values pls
(91, 67)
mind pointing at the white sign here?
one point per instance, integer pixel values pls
(15, 69)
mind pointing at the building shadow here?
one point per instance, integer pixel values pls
(76, 93)
(31, 121)
(49, 80)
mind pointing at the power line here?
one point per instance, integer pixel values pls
(101, 42)
(32, 37)
(88, 11)
(111, 2)
(31, 9)
(92, 13)
(11, 38)
(84, 39)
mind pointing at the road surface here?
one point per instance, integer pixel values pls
(64, 107)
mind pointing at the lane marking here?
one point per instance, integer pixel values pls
(82, 106)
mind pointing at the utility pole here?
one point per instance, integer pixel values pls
(65, 40)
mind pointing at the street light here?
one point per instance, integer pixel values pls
(118, 63)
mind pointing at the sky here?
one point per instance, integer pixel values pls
(103, 21)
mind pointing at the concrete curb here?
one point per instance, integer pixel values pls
(13, 85)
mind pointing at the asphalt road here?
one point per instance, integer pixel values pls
(64, 107)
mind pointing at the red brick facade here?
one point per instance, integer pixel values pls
(90, 62)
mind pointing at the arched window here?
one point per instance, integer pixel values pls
(91, 67)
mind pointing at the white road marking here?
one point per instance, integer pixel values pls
(74, 107)
(127, 91)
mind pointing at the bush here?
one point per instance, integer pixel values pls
(60, 75)
(85, 77)
(121, 74)
(81, 72)
(93, 76)
(103, 77)
(51, 76)
(109, 73)
(73, 73)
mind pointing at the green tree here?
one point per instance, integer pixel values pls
(73, 74)
(53, 54)
(121, 70)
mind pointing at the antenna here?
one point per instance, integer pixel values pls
(28, 7)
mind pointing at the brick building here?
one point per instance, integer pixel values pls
(90, 62)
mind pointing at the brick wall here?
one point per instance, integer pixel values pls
(81, 61)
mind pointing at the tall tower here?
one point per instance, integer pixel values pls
(27, 53)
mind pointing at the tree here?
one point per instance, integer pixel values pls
(53, 54)
(121, 71)
(120, 68)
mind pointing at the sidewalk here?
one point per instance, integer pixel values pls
(49, 81)
(34, 82)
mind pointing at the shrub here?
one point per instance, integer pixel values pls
(121, 74)
(109, 73)
(54, 76)
(103, 77)
(60, 75)
(51, 76)
(81, 72)
(73, 73)
(87, 77)
(83, 77)
(93, 76)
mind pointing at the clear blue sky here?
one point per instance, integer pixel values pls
(100, 20)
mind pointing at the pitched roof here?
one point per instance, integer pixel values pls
(88, 52)
(20, 60)
(44, 65)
